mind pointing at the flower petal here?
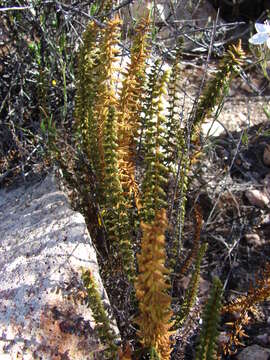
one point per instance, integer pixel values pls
(261, 27)
(259, 38)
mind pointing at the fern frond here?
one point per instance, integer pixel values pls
(196, 241)
(112, 185)
(147, 107)
(192, 290)
(211, 317)
(106, 333)
(97, 127)
(130, 106)
(96, 90)
(156, 173)
(174, 144)
(258, 293)
(115, 211)
(107, 82)
(177, 145)
(151, 287)
(85, 122)
(219, 86)
(180, 193)
(244, 306)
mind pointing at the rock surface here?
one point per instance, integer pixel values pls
(254, 352)
(43, 245)
(171, 15)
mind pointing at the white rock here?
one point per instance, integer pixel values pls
(212, 128)
(181, 12)
(43, 244)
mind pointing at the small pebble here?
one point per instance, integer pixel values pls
(263, 339)
(223, 338)
(242, 116)
(253, 239)
(257, 198)
(266, 155)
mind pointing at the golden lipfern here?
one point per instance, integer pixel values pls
(120, 114)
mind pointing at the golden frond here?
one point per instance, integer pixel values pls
(196, 241)
(130, 107)
(151, 287)
(245, 305)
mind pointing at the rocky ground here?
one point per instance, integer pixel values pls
(232, 186)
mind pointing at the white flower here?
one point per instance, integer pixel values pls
(262, 36)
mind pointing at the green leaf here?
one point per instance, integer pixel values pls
(42, 126)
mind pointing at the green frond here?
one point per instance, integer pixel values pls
(181, 187)
(85, 96)
(153, 354)
(106, 333)
(115, 207)
(147, 107)
(112, 185)
(211, 318)
(192, 290)
(156, 172)
(173, 136)
(218, 87)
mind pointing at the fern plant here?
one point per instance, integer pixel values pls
(117, 118)
(97, 113)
